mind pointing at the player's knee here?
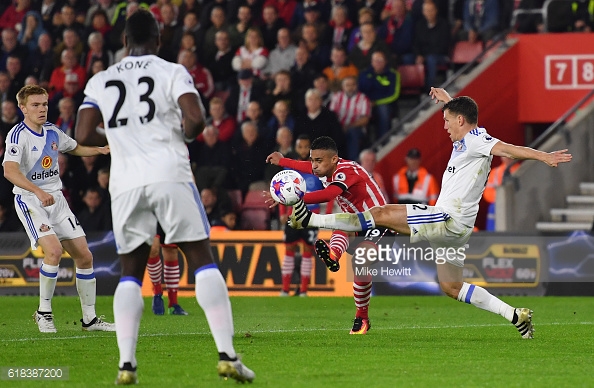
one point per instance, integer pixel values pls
(85, 260)
(52, 255)
(451, 289)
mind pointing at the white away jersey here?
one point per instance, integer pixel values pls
(37, 154)
(466, 176)
(137, 98)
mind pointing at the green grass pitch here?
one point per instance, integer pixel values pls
(304, 342)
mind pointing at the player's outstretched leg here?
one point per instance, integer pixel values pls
(302, 218)
(327, 255)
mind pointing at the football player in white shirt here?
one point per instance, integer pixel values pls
(140, 100)
(450, 222)
(31, 164)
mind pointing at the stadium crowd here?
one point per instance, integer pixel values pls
(268, 71)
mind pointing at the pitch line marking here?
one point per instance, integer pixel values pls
(305, 330)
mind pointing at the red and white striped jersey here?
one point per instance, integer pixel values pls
(350, 109)
(360, 191)
(259, 58)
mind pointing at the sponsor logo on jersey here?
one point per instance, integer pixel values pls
(487, 138)
(34, 148)
(44, 228)
(54, 146)
(44, 174)
(46, 162)
(340, 177)
(14, 151)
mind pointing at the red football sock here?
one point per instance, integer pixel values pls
(172, 281)
(155, 270)
(339, 242)
(286, 283)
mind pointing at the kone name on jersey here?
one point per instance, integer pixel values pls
(129, 65)
(44, 174)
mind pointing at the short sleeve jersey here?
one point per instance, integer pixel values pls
(37, 154)
(360, 192)
(138, 98)
(465, 177)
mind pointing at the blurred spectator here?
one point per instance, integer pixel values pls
(86, 173)
(71, 89)
(432, 42)
(255, 115)
(31, 29)
(368, 160)
(6, 195)
(252, 55)
(353, 109)
(70, 68)
(360, 55)
(14, 70)
(340, 68)
(80, 9)
(397, 31)
(319, 54)
(107, 6)
(217, 17)
(96, 50)
(168, 49)
(226, 223)
(210, 159)
(31, 80)
(9, 221)
(530, 23)
(241, 94)
(202, 78)
(14, 14)
(10, 46)
(303, 73)
(10, 117)
(270, 28)
(157, 8)
(48, 9)
(70, 184)
(340, 27)
(116, 36)
(286, 9)
(322, 85)
(41, 63)
(225, 123)
(238, 30)
(100, 24)
(480, 20)
(247, 156)
(304, 13)
(220, 63)
(365, 15)
(67, 118)
(211, 204)
(6, 93)
(189, 6)
(281, 90)
(284, 145)
(188, 42)
(318, 121)
(381, 84)
(583, 15)
(375, 6)
(283, 56)
(103, 182)
(66, 20)
(413, 184)
(189, 26)
(94, 217)
(71, 41)
(96, 66)
(281, 117)
(206, 15)
(495, 180)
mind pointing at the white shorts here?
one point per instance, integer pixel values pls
(40, 221)
(434, 224)
(175, 205)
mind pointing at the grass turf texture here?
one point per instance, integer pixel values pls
(304, 342)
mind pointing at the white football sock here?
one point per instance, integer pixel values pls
(48, 276)
(347, 222)
(482, 299)
(86, 285)
(213, 297)
(127, 311)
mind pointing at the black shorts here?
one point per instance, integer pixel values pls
(308, 236)
(374, 235)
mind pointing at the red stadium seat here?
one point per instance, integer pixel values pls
(412, 79)
(255, 219)
(465, 52)
(255, 200)
(236, 200)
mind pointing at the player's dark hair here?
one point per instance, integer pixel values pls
(141, 28)
(324, 143)
(464, 106)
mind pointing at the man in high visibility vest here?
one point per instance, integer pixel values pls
(413, 184)
(495, 180)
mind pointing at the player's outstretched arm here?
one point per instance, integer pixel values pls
(193, 112)
(81, 150)
(552, 159)
(87, 120)
(439, 95)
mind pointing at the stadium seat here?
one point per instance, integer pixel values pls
(465, 52)
(236, 200)
(255, 219)
(254, 200)
(491, 51)
(412, 79)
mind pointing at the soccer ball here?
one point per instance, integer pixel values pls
(287, 187)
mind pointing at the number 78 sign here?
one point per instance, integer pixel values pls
(569, 72)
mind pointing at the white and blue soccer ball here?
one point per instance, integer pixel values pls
(287, 187)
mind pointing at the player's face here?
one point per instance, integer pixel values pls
(323, 162)
(35, 109)
(302, 147)
(453, 126)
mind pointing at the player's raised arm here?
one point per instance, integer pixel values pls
(193, 112)
(439, 95)
(87, 121)
(552, 159)
(278, 159)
